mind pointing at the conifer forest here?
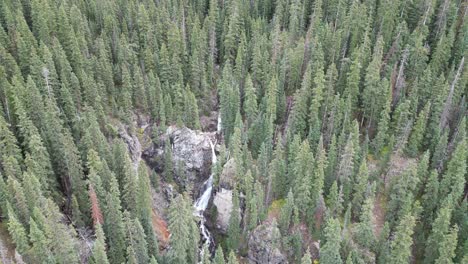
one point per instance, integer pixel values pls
(233, 131)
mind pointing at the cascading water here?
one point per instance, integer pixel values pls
(202, 202)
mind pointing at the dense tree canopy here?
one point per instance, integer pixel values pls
(345, 121)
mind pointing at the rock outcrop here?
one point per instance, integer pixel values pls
(227, 177)
(191, 155)
(223, 202)
(264, 243)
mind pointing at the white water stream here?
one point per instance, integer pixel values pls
(201, 204)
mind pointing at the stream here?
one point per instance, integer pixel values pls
(201, 204)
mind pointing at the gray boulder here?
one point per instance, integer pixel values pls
(223, 202)
(227, 177)
(264, 244)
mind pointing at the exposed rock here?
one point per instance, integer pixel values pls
(209, 123)
(227, 177)
(191, 155)
(223, 202)
(133, 145)
(264, 243)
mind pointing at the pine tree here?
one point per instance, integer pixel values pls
(99, 249)
(359, 187)
(335, 200)
(205, 255)
(353, 80)
(192, 119)
(62, 237)
(306, 259)
(346, 167)
(447, 247)
(180, 219)
(440, 150)
(364, 230)
(440, 228)
(417, 135)
(373, 95)
(301, 100)
(144, 207)
(453, 180)
(278, 171)
(422, 171)
(234, 230)
(219, 256)
(302, 175)
(382, 133)
(250, 101)
(19, 200)
(430, 197)
(113, 226)
(402, 195)
(330, 251)
(286, 213)
(40, 244)
(316, 103)
(232, 258)
(17, 232)
(137, 247)
(401, 246)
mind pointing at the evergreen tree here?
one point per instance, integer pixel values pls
(180, 224)
(447, 247)
(17, 232)
(232, 258)
(415, 139)
(137, 249)
(286, 213)
(99, 248)
(144, 206)
(234, 230)
(113, 226)
(250, 101)
(306, 259)
(440, 228)
(401, 246)
(346, 167)
(40, 244)
(373, 94)
(330, 251)
(453, 180)
(382, 133)
(302, 175)
(360, 187)
(219, 256)
(365, 233)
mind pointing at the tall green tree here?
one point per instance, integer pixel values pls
(99, 254)
(400, 251)
(330, 251)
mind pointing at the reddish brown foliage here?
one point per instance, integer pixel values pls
(96, 213)
(160, 226)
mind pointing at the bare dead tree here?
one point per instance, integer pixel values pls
(442, 17)
(448, 103)
(400, 82)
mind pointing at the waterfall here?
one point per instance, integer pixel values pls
(202, 202)
(218, 127)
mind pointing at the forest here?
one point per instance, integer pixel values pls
(233, 131)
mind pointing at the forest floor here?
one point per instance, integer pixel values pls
(160, 226)
(6, 243)
(379, 214)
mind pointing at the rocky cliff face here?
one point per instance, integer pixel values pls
(264, 245)
(223, 202)
(191, 155)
